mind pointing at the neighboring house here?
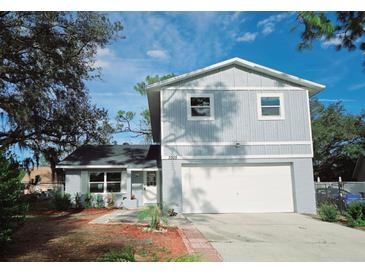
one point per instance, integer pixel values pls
(234, 137)
(39, 179)
(359, 171)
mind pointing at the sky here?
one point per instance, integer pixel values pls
(180, 42)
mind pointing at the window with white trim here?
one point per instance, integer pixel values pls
(200, 107)
(105, 182)
(270, 106)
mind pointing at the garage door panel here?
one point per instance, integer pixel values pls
(224, 189)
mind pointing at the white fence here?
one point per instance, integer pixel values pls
(39, 188)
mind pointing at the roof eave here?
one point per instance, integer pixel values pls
(313, 87)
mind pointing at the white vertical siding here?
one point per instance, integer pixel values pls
(236, 113)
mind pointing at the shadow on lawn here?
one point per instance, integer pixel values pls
(65, 236)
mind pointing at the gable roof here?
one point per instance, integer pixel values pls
(311, 86)
(109, 156)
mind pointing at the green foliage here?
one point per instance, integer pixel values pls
(328, 212)
(12, 206)
(187, 258)
(355, 213)
(155, 214)
(78, 200)
(110, 200)
(149, 80)
(338, 140)
(123, 255)
(347, 27)
(88, 200)
(45, 105)
(62, 201)
(125, 119)
(100, 201)
(171, 212)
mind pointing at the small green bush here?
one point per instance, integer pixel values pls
(13, 204)
(100, 201)
(62, 201)
(88, 200)
(187, 258)
(355, 213)
(110, 200)
(328, 212)
(124, 255)
(78, 201)
(155, 214)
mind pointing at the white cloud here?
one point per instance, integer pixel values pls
(157, 53)
(103, 58)
(357, 86)
(336, 100)
(247, 37)
(268, 28)
(268, 25)
(335, 41)
(105, 52)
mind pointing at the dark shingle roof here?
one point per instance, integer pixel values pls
(137, 156)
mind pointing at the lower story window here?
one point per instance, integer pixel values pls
(96, 187)
(105, 182)
(113, 180)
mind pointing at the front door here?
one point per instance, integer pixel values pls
(150, 188)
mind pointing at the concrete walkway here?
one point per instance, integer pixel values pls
(119, 216)
(279, 237)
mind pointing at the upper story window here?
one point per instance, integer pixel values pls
(200, 107)
(270, 106)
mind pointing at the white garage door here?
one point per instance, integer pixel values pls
(225, 189)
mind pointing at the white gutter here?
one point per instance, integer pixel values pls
(89, 166)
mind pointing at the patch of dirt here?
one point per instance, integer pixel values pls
(67, 236)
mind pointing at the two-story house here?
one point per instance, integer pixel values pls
(231, 137)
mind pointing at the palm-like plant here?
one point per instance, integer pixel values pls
(155, 214)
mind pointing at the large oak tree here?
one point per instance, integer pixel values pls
(45, 59)
(338, 140)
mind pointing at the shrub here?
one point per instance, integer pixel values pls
(110, 200)
(155, 214)
(354, 213)
(89, 200)
(187, 258)
(62, 201)
(171, 212)
(124, 255)
(328, 212)
(100, 201)
(78, 200)
(12, 204)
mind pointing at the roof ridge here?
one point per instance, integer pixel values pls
(313, 86)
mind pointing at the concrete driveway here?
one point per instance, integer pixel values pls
(279, 237)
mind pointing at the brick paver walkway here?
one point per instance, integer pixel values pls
(195, 242)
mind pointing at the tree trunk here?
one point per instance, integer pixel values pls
(53, 169)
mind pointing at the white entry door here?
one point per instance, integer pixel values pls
(150, 187)
(228, 189)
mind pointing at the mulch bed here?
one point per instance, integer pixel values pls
(52, 235)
